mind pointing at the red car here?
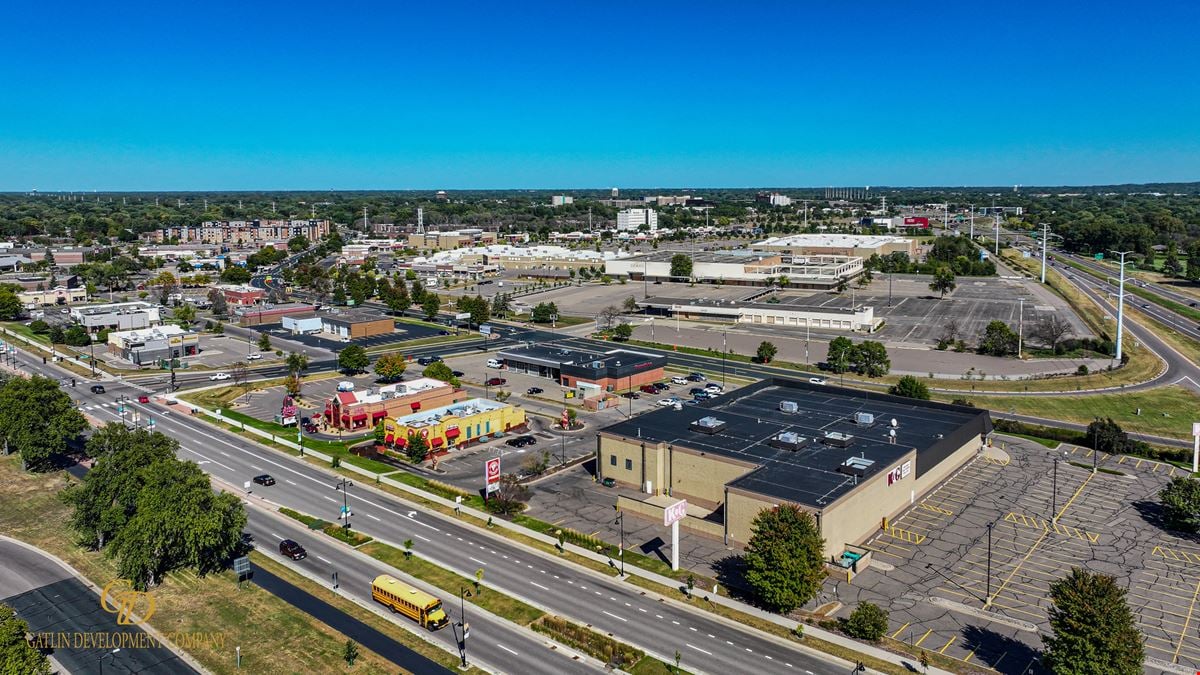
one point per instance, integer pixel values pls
(496, 381)
(649, 389)
(143, 399)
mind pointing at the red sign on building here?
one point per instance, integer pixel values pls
(917, 221)
(491, 475)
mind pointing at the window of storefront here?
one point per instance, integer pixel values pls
(612, 459)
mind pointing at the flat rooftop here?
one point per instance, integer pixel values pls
(554, 356)
(349, 316)
(461, 409)
(734, 256)
(831, 240)
(789, 304)
(809, 475)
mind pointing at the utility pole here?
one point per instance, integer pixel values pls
(344, 486)
(972, 222)
(1121, 304)
(997, 221)
(1020, 325)
(806, 214)
(1045, 238)
(946, 216)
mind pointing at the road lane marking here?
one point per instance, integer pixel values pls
(324, 560)
(702, 651)
(206, 458)
(289, 482)
(421, 538)
(276, 536)
(372, 517)
(330, 498)
(539, 585)
(614, 615)
(506, 649)
(478, 561)
(256, 468)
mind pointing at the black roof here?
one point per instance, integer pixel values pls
(808, 473)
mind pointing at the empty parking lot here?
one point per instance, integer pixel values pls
(952, 591)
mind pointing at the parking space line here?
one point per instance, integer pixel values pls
(948, 643)
(906, 535)
(1033, 548)
(900, 629)
(936, 509)
(1186, 622)
(1123, 459)
(918, 642)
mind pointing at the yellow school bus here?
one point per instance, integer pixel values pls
(415, 604)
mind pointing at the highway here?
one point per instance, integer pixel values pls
(1181, 323)
(707, 643)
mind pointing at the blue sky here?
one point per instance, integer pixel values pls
(375, 95)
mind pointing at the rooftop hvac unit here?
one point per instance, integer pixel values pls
(708, 425)
(856, 466)
(864, 419)
(788, 406)
(838, 439)
(788, 440)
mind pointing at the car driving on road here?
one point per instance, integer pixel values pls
(219, 376)
(293, 550)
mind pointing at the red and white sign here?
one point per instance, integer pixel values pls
(491, 475)
(894, 475)
(566, 418)
(917, 221)
(674, 513)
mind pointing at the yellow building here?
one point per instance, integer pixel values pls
(454, 425)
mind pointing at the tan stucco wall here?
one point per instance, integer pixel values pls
(859, 514)
(702, 478)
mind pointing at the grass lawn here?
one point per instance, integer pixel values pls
(1166, 411)
(269, 630)
(490, 599)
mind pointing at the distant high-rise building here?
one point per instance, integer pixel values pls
(773, 198)
(632, 219)
(561, 200)
(615, 193)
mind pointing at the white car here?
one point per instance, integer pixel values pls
(254, 357)
(816, 380)
(669, 401)
(220, 376)
(714, 387)
(679, 380)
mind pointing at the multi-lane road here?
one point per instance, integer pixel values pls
(706, 643)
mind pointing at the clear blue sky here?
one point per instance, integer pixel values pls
(389, 95)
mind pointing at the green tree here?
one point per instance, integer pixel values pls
(998, 339)
(353, 359)
(235, 274)
(1093, 629)
(1181, 503)
(350, 652)
(292, 384)
(630, 305)
(867, 622)
(681, 266)
(399, 300)
(438, 370)
(430, 304)
(57, 336)
(943, 280)
(784, 558)
(1171, 266)
(77, 336)
(766, 352)
(543, 312)
(38, 419)
(417, 292)
(379, 433)
(218, 328)
(185, 314)
(1105, 435)
(501, 305)
(622, 331)
(10, 306)
(16, 654)
(220, 307)
(390, 367)
(296, 363)
(910, 387)
(298, 243)
(417, 448)
(840, 355)
(871, 358)
(264, 342)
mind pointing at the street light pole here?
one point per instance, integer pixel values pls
(1054, 495)
(462, 608)
(344, 486)
(1045, 237)
(724, 350)
(1020, 325)
(1121, 304)
(621, 550)
(989, 565)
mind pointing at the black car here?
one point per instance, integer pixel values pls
(696, 390)
(428, 360)
(661, 386)
(456, 373)
(695, 377)
(264, 479)
(443, 332)
(631, 394)
(521, 441)
(97, 389)
(292, 550)
(533, 390)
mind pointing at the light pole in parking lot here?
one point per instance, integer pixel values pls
(1054, 490)
(724, 352)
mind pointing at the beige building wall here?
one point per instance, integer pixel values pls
(702, 478)
(860, 513)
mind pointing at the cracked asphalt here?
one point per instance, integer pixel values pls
(1044, 521)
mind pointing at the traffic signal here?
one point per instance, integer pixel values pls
(72, 382)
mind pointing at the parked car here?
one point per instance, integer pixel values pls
(648, 389)
(143, 399)
(679, 379)
(713, 386)
(696, 390)
(254, 357)
(631, 394)
(97, 389)
(816, 380)
(496, 381)
(443, 332)
(691, 401)
(345, 385)
(457, 373)
(670, 400)
(696, 377)
(264, 479)
(428, 360)
(609, 482)
(521, 441)
(310, 428)
(533, 390)
(702, 395)
(219, 376)
(661, 386)
(292, 550)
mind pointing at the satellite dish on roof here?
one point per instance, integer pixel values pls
(894, 423)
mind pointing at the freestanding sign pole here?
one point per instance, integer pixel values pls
(671, 516)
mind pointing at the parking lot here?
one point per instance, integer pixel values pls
(265, 404)
(1043, 521)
